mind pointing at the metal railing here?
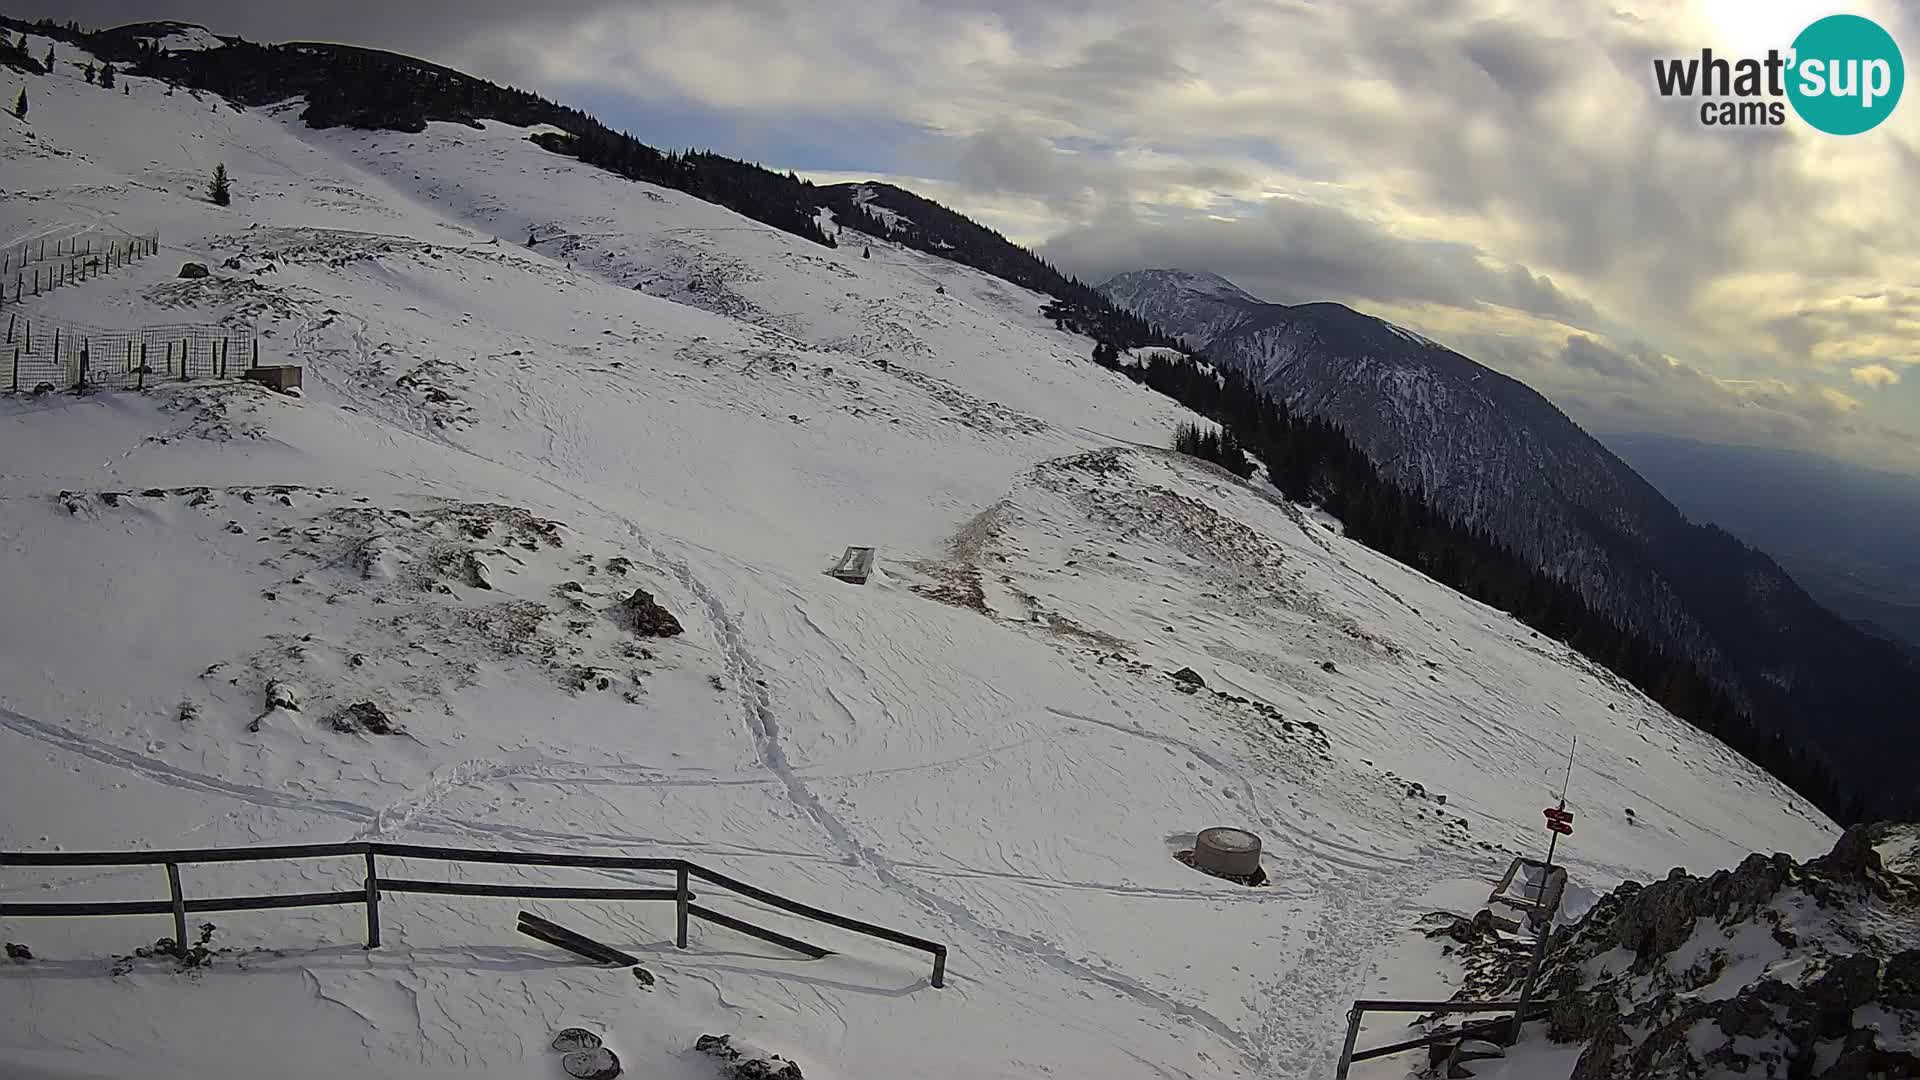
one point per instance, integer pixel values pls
(374, 885)
(1522, 1011)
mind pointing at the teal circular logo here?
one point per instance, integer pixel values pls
(1846, 75)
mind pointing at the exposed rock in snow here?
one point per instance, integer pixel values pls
(641, 614)
(745, 1062)
(1774, 968)
(285, 695)
(363, 716)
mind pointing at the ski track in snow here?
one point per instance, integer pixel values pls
(172, 776)
(760, 717)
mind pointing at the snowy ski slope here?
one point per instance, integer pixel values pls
(981, 746)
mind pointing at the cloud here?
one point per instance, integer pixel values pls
(1878, 376)
(1293, 251)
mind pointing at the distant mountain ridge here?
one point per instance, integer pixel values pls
(1496, 456)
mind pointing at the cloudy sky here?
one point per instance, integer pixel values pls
(1499, 175)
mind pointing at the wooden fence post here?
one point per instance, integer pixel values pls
(179, 910)
(680, 906)
(16, 369)
(183, 359)
(373, 902)
(140, 379)
(256, 353)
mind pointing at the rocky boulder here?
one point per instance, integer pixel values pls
(644, 617)
(1831, 996)
(745, 1063)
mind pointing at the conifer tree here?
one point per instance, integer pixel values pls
(106, 77)
(219, 189)
(20, 104)
(89, 71)
(49, 60)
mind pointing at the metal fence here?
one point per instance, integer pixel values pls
(41, 354)
(374, 885)
(1506, 1030)
(39, 267)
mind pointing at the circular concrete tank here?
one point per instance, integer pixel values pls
(1227, 851)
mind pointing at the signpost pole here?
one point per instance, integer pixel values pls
(1559, 820)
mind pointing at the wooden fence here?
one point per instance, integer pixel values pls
(32, 269)
(178, 904)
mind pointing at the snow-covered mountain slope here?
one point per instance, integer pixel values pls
(1491, 453)
(1198, 306)
(498, 444)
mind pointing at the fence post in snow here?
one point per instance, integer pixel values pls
(140, 379)
(179, 910)
(373, 902)
(183, 359)
(680, 906)
(256, 353)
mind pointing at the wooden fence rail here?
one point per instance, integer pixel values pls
(178, 904)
